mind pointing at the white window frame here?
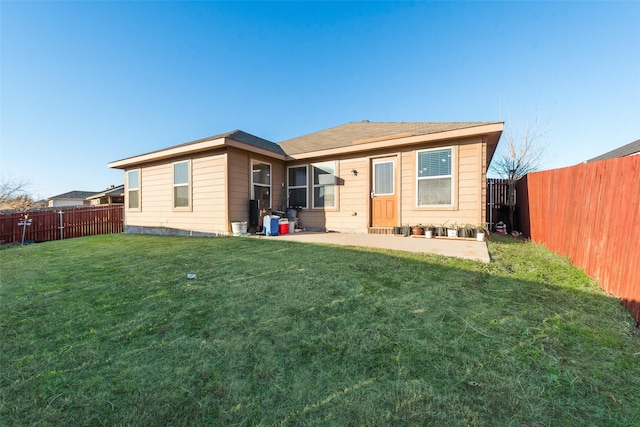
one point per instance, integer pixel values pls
(315, 185)
(450, 176)
(297, 187)
(131, 189)
(181, 184)
(259, 184)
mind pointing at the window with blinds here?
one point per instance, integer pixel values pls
(434, 177)
(383, 178)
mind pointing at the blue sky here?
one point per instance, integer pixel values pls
(86, 83)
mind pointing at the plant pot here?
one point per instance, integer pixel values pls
(452, 232)
(239, 228)
(428, 234)
(480, 236)
(417, 231)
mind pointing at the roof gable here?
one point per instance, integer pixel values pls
(236, 135)
(235, 138)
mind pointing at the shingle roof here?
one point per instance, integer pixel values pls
(346, 134)
(236, 135)
(116, 190)
(74, 195)
(625, 150)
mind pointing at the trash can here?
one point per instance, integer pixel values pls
(283, 226)
(275, 220)
(270, 225)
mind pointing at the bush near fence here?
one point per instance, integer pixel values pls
(591, 214)
(62, 223)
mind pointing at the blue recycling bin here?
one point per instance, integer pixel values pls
(270, 225)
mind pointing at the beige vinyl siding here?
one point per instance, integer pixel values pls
(467, 191)
(208, 213)
(240, 182)
(239, 185)
(221, 189)
(352, 206)
(351, 213)
(353, 192)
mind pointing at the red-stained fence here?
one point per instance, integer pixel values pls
(591, 214)
(62, 223)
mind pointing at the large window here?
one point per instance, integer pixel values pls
(181, 184)
(324, 185)
(297, 186)
(261, 184)
(133, 183)
(435, 183)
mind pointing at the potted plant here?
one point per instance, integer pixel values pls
(441, 230)
(452, 230)
(481, 232)
(428, 231)
(467, 231)
(238, 228)
(417, 230)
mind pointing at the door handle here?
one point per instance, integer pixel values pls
(373, 194)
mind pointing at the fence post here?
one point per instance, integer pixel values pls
(61, 226)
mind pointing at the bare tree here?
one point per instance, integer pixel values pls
(14, 195)
(10, 189)
(24, 203)
(522, 151)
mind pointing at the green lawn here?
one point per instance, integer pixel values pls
(108, 330)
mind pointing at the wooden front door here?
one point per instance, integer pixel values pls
(384, 195)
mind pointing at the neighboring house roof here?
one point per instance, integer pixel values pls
(74, 195)
(624, 151)
(116, 190)
(234, 138)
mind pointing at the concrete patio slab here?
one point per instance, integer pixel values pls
(460, 248)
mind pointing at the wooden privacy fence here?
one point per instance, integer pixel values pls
(591, 214)
(62, 223)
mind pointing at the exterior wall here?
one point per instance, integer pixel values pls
(239, 178)
(221, 190)
(207, 212)
(352, 213)
(467, 187)
(55, 203)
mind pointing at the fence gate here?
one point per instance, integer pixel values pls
(498, 201)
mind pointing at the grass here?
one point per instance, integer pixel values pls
(108, 330)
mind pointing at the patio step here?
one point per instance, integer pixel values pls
(380, 230)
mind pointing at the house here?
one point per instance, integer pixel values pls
(112, 195)
(631, 149)
(72, 198)
(357, 177)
